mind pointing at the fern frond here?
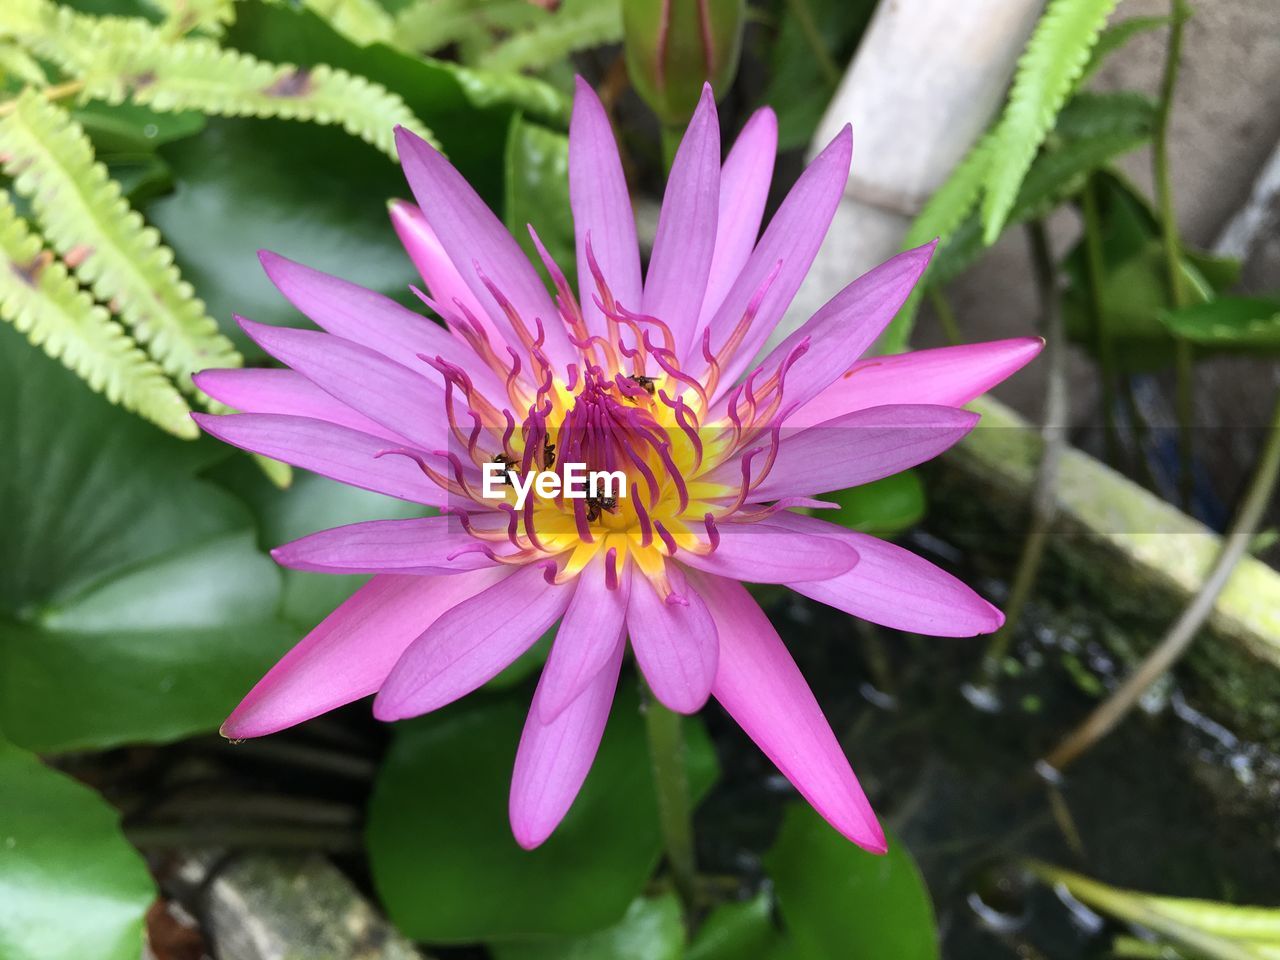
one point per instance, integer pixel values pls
(530, 96)
(17, 64)
(575, 26)
(1054, 59)
(425, 26)
(183, 16)
(114, 253)
(1115, 37)
(45, 303)
(363, 21)
(121, 59)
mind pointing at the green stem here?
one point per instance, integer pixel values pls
(1094, 272)
(675, 810)
(1044, 494)
(946, 316)
(813, 36)
(1185, 396)
(671, 136)
(1175, 643)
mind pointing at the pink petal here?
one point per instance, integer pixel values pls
(471, 644)
(555, 756)
(443, 281)
(350, 311)
(949, 376)
(349, 655)
(601, 209)
(760, 553)
(260, 390)
(332, 451)
(762, 689)
(424, 545)
(472, 235)
(792, 239)
(686, 237)
(856, 449)
(848, 324)
(893, 587)
(400, 399)
(674, 642)
(744, 189)
(584, 640)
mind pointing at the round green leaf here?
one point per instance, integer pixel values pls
(840, 901)
(443, 857)
(883, 508)
(134, 604)
(650, 930)
(71, 886)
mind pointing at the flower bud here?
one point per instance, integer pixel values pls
(675, 46)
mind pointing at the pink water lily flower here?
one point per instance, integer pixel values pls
(640, 373)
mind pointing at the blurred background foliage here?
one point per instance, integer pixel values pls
(149, 148)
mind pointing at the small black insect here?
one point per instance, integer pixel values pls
(597, 504)
(647, 384)
(509, 469)
(548, 454)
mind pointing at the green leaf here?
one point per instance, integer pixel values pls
(183, 16)
(1229, 323)
(443, 858)
(840, 901)
(364, 21)
(130, 128)
(537, 163)
(122, 260)
(133, 604)
(426, 26)
(73, 887)
(883, 508)
(739, 931)
(577, 25)
(39, 298)
(1047, 73)
(121, 59)
(650, 930)
(1115, 37)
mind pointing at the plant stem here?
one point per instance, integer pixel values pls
(946, 316)
(1094, 272)
(671, 785)
(1175, 643)
(56, 92)
(671, 137)
(813, 36)
(1184, 401)
(1043, 496)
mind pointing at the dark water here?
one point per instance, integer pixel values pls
(1170, 803)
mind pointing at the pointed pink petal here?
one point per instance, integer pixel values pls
(759, 553)
(350, 311)
(744, 189)
(949, 376)
(424, 545)
(674, 642)
(471, 644)
(601, 209)
(555, 756)
(582, 647)
(686, 237)
(792, 239)
(401, 399)
(259, 390)
(857, 448)
(472, 235)
(841, 331)
(327, 449)
(893, 587)
(762, 689)
(443, 281)
(349, 655)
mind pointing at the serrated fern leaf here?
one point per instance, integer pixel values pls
(529, 95)
(45, 303)
(1047, 73)
(1115, 37)
(16, 65)
(952, 201)
(127, 59)
(183, 16)
(364, 21)
(425, 26)
(113, 252)
(575, 26)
